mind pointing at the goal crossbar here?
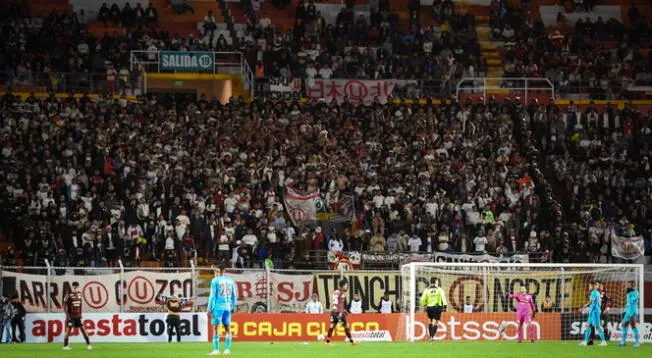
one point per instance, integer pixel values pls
(413, 266)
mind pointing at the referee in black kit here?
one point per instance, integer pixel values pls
(434, 300)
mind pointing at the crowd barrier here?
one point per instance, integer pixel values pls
(104, 290)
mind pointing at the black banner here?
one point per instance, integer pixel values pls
(573, 325)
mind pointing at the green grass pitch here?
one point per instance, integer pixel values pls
(317, 349)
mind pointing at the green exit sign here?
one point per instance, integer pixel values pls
(178, 83)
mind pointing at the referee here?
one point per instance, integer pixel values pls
(434, 300)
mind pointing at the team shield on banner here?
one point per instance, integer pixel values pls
(301, 207)
(356, 91)
(135, 292)
(629, 248)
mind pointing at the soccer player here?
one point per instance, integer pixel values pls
(434, 301)
(594, 315)
(338, 315)
(525, 311)
(72, 307)
(629, 318)
(604, 307)
(221, 304)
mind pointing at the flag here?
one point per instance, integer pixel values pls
(629, 248)
(301, 207)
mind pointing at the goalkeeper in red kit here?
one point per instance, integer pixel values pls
(338, 315)
(72, 306)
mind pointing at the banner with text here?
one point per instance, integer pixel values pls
(252, 290)
(445, 257)
(136, 291)
(309, 327)
(187, 61)
(356, 91)
(573, 326)
(290, 292)
(115, 327)
(490, 289)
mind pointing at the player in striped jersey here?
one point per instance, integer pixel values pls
(338, 315)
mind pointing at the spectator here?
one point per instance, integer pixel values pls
(468, 306)
(209, 24)
(18, 323)
(386, 305)
(314, 306)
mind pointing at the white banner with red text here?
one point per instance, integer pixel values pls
(289, 291)
(355, 91)
(136, 291)
(115, 327)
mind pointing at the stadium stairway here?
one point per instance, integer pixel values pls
(490, 49)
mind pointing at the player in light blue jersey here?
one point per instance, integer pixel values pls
(221, 305)
(629, 318)
(594, 315)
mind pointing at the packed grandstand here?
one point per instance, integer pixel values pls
(98, 166)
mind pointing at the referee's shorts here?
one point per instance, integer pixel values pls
(434, 312)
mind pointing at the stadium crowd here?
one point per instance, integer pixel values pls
(85, 182)
(90, 181)
(601, 58)
(370, 48)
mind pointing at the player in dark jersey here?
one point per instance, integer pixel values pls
(72, 307)
(338, 315)
(604, 308)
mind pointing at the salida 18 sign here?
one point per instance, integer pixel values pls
(187, 61)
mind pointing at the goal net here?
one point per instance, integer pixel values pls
(478, 299)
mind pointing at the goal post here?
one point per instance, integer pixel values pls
(558, 290)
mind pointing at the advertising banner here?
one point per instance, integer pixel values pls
(115, 327)
(137, 291)
(187, 61)
(384, 327)
(491, 289)
(284, 327)
(573, 326)
(480, 326)
(356, 91)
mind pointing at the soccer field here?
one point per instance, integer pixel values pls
(339, 349)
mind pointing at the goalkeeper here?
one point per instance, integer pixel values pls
(434, 300)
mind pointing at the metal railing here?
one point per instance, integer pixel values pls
(222, 62)
(62, 82)
(517, 85)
